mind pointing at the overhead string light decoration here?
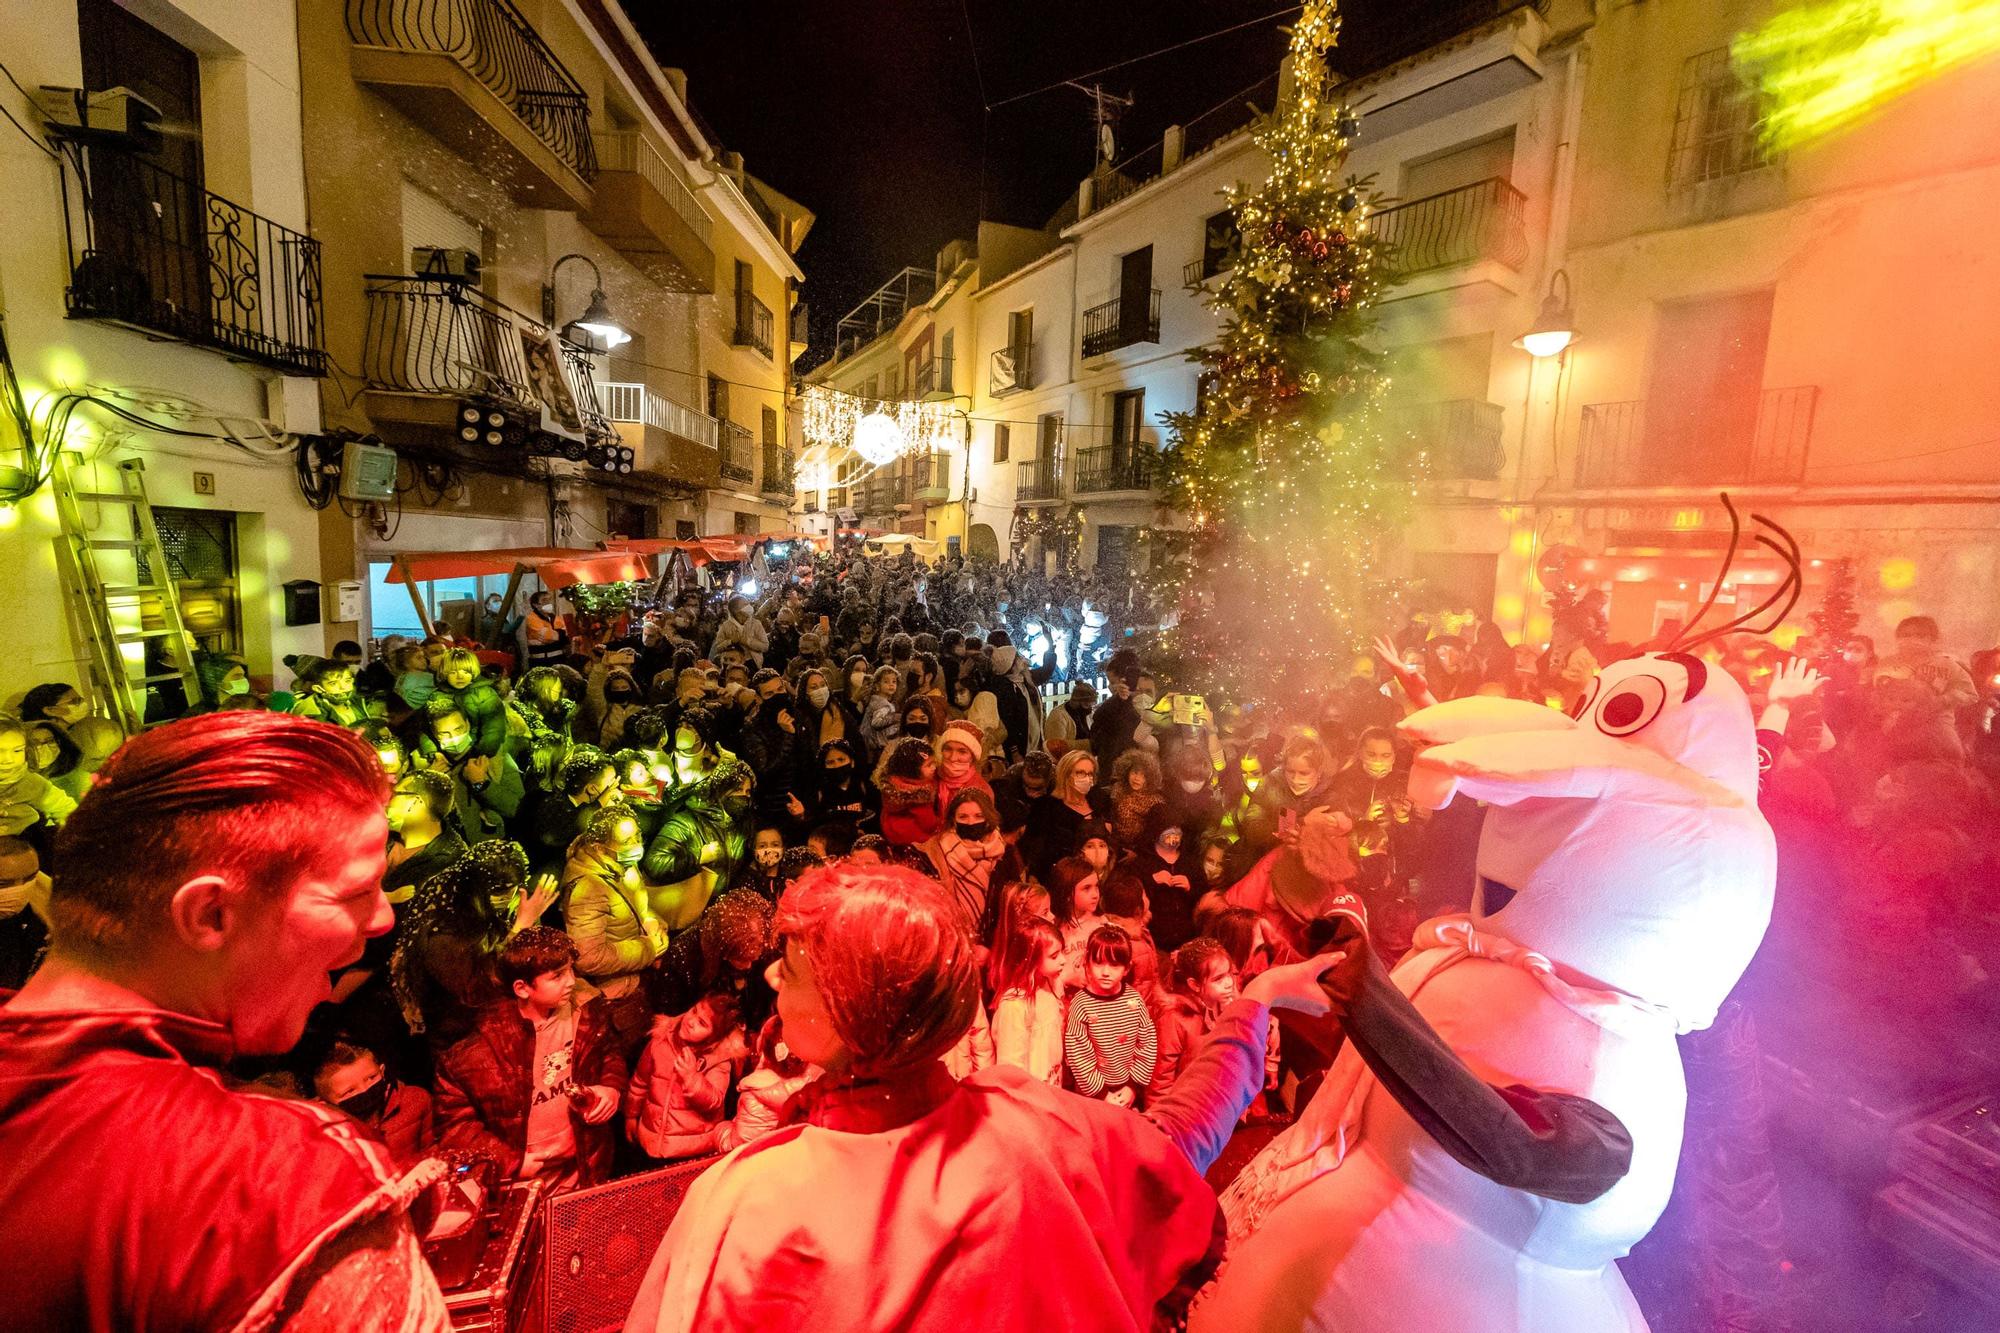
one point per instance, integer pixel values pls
(834, 419)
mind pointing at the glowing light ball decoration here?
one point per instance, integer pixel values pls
(878, 438)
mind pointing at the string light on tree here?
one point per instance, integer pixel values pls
(1291, 484)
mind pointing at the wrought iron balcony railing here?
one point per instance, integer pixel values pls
(1114, 468)
(754, 324)
(1484, 220)
(736, 452)
(431, 336)
(494, 43)
(1460, 436)
(778, 473)
(150, 249)
(1120, 323)
(1011, 370)
(933, 376)
(1037, 481)
(1700, 443)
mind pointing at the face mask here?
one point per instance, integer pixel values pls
(973, 832)
(1377, 768)
(1142, 701)
(1300, 786)
(1080, 784)
(630, 856)
(1193, 785)
(819, 695)
(396, 819)
(738, 807)
(838, 772)
(917, 726)
(456, 745)
(368, 1103)
(235, 687)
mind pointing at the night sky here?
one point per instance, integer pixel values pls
(870, 112)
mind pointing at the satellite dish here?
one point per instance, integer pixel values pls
(1107, 146)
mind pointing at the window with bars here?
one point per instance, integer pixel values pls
(200, 546)
(1716, 122)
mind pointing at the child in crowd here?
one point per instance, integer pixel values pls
(1200, 981)
(351, 1079)
(1074, 898)
(1109, 1043)
(767, 850)
(761, 1096)
(1025, 971)
(674, 1108)
(536, 1085)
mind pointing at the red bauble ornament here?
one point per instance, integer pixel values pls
(1338, 238)
(1319, 250)
(1305, 236)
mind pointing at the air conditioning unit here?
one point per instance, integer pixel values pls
(114, 117)
(445, 265)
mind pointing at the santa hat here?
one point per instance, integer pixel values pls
(972, 736)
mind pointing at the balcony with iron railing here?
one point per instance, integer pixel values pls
(779, 477)
(1036, 481)
(476, 74)
(644, 208)
(933, 377)
(1011, 369)
(798, 330)
(431, 344)
(1113, 467)
(1121, 322)
(754, 323)
(1459, 438)
(160, 253)
(1697, 443)
(1486, 220)
(880, 495)
(736, 455)
(930, 477)
(672, 439)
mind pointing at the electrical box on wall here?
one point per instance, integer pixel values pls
(367, 472)
(301, 601)
(343, 600)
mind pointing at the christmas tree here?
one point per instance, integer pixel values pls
(1291, 484)
(1836, 620)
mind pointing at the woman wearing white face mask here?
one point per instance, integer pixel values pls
(1056, 820)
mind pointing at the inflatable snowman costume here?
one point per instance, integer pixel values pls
(1484, 1149)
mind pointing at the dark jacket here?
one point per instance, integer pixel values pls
(483, 1085)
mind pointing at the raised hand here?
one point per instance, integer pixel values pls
(1794, 680)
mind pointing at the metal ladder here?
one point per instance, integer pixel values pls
(112, 578)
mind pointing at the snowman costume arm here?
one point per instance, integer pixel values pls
(1550, 1144)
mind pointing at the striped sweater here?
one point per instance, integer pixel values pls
(1109, 1043)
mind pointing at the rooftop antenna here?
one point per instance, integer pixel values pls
(1105, 109)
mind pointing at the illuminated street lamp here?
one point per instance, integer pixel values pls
(596, 319)
(1554, 328)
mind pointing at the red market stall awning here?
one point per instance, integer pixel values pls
(556, 566)
(699, 550)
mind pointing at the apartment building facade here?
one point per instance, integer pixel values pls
(170, 274)
(488, 178)
(1798, 328)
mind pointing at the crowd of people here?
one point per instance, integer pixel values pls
(592, 833)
